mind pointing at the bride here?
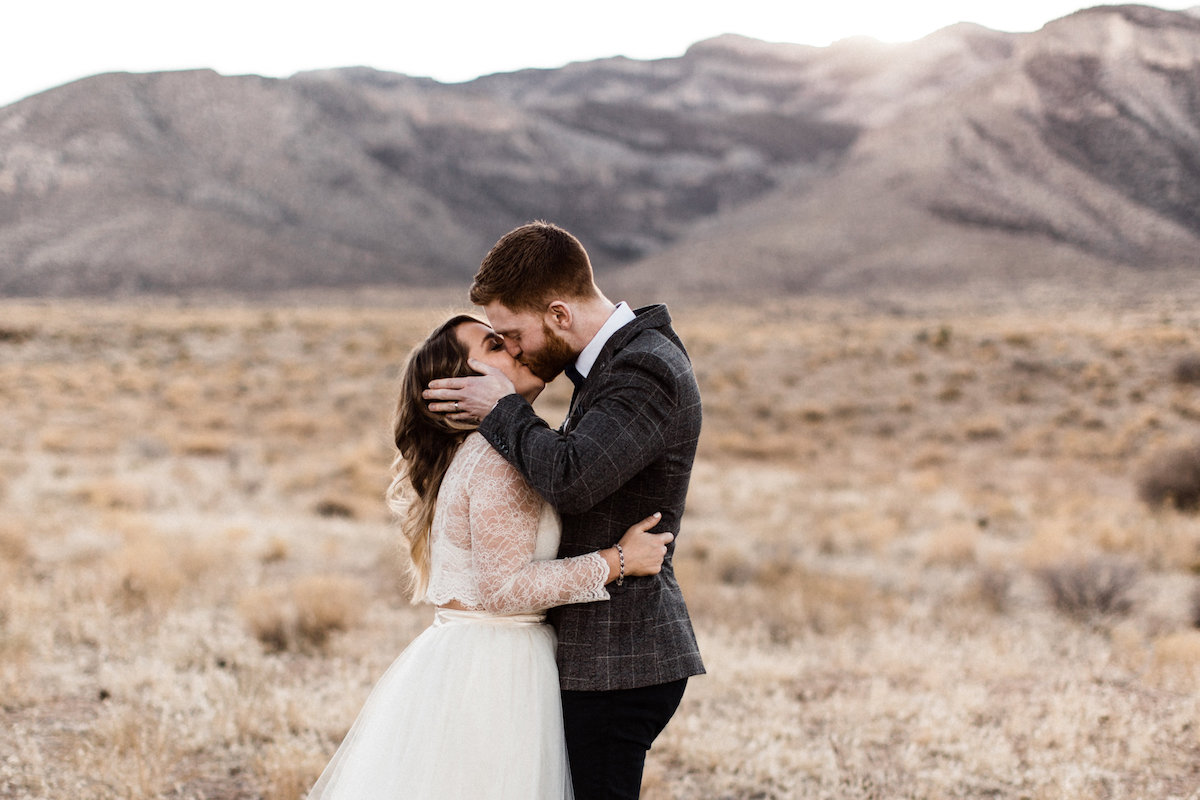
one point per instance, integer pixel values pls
(471, 708)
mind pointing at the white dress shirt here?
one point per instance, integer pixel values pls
(621, 316)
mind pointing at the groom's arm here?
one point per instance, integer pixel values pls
(619, 435)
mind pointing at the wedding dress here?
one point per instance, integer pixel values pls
(471, 708)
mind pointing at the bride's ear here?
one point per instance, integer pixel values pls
(559, 315)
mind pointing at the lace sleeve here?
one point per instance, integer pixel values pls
(504, 514)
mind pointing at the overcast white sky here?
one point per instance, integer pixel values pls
(50, 42)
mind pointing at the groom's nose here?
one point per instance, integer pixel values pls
(513, 348)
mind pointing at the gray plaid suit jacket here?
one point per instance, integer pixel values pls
(625, 451)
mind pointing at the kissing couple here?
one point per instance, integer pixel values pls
(561, 645)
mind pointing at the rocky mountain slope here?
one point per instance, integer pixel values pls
(1076, 161)
(968, 156)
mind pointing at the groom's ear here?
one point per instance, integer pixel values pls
(559, 315)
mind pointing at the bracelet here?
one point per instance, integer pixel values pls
(621, 562)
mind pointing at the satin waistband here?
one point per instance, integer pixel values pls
(454, 616)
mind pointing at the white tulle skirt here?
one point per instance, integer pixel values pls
(470, 709)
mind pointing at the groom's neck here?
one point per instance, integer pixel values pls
(590, 316)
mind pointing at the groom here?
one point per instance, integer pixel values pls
(624, 452)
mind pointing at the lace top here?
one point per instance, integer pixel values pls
(494, 541)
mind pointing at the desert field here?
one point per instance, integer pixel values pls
(929, 554)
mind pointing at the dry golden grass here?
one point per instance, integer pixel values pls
(303, 614)
(199, 583)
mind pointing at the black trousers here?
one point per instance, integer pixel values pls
(608, 734)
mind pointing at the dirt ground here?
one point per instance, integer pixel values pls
(915, 550)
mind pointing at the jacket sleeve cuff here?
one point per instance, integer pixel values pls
(504, 410)
(498, 425)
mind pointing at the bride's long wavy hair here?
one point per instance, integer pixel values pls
(426, 442)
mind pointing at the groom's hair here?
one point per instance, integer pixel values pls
(532, 265)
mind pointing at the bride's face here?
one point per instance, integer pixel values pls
(484, 344)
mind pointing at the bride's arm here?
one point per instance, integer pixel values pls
(504, 514)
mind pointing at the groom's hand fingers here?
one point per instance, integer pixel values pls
(476, 393)
(443, 388)
(443, 393)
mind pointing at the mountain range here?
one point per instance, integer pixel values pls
(969, 158)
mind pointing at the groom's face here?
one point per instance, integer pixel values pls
(530, 340)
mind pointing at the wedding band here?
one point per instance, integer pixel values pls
(456, 405)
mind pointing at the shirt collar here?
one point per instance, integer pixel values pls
(621, 316)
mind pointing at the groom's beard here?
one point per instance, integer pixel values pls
(549, 362)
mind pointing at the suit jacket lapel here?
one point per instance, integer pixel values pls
(655, 316)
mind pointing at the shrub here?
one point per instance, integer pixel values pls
(953, 546)
(939, 338)
(114, 494)
(334, 507)
(1187, 370)
(276, 550)
(324, 604)
(983, 428)
(995, 586)
(1173, 479)
(148, 571)
(1195, 609)
(62, 441)
(205, 445)
(1084, 589)
(302, 615)
(14, 543)
(15, 335)
(265, 613)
